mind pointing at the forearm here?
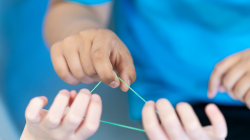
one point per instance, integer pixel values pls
(66, 18)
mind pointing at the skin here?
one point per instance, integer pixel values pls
(61, 122)
(232, 75)
(187, 127)
(82, 50)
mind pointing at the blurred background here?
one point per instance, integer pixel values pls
(26, 71)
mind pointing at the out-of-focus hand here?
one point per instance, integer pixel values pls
(61, 122)
(187, 128)
(232, 75)
(93, 55)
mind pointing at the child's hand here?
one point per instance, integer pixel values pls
(189, 128)
(61, 122)
(93, 55)
(233, 76)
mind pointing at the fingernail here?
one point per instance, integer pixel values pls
(114, 84)
(129, 82)
(150, 102)
(85, 91)
(96, 97)
(64, 91)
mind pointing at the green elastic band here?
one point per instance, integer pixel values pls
(124, 126)
(120, 125)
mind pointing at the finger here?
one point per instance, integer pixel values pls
(73, 94)
(232, 76)
(190, 122)
(34, 109)
(92, 119)
(217, 120)
(56, 111)
(76, 112)
(61, 66)
(85, 56)
(151, 124)
(72, 57)
(246, 98)
(221, 89)
(170, 121)
(126, 70)
(219, 70)
(209, 131)
(242, 86)
(100, 55)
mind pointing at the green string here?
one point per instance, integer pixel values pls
(124, 126)
(132, 90)
(96, 86)
(120, 125)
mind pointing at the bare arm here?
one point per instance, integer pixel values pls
(82, 50)
(66, 18)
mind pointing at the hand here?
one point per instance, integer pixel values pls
(61, 122)
(233, 76)
(93, 55)
(189, 128)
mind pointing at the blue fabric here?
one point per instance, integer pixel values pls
(90, 2)
(176, 44)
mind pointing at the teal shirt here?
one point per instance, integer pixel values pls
(176, 44)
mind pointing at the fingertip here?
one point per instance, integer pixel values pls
(65, 92)
(162, 101)
(96, 97)
(114, 84)
(45, 99)
(211, 94)
(211, 108)
(73, 93)
(124, 87)
(150, 103)
(84, 91)
(182, 104)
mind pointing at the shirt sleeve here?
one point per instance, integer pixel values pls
(89, 2)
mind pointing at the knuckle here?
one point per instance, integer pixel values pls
(104, 31)
(90, 72)
(52, 121)
(62, 73)
(30, 116)
(169, 123)
(70, 40)
(97, 54)
(108, 77)
(54, 47)
(73, 120)
(91, 128)
(150, 127)
(194, 132)
(79, 74)
(217, 68)
(65, 76)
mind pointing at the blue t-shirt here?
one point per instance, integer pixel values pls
(175, 45)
